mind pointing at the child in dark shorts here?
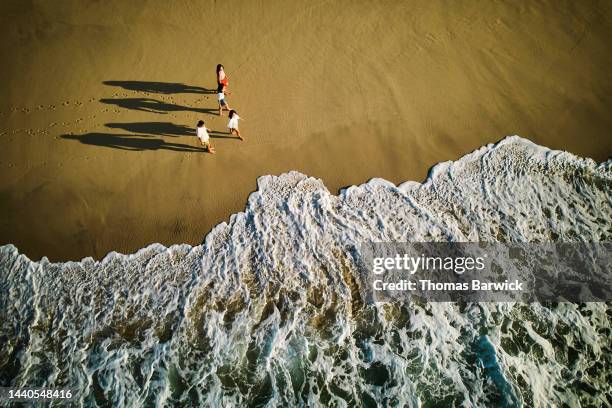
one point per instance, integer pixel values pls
(221, 95)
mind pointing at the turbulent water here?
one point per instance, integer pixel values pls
(268, 310)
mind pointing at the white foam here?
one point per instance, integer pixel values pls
(268, 308)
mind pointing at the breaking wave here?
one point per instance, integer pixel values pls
(268, 311)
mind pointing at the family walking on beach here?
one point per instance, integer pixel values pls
(202, 130)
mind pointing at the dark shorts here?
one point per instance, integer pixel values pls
(222, 102)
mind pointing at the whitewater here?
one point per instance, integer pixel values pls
(268, 310)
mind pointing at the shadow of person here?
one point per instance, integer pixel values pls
(159, 87)
(131, 142)
(154, 106)
(220, 135)
(154, 128)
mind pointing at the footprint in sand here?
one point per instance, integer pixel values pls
(65, 103)
(52, 107)
(78, 103)
(41, 107)
(25, 110)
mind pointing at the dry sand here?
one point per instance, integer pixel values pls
(93, 160)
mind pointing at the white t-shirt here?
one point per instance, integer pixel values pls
(221, 95)
(202, 134)
(233, 122)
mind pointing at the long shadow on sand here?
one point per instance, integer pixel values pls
(131, 142)
(154, 106)
(165, 129)
(221, 135)
(154, 128)
(159, 87)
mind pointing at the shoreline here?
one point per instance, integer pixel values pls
(432, 173)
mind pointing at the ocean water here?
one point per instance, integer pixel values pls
(268, 310)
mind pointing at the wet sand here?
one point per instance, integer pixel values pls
(99, 101)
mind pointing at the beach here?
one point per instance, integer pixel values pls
(283, 306)
(100, 100)
(419, 213)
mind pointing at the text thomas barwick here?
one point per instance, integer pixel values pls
(428, 285)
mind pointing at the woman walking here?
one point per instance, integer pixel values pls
(221, 77)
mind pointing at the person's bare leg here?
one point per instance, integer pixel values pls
(238, 134)
(220, 109)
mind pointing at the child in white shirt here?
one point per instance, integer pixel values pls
(221, 94)
(202, 133)
(233, 123)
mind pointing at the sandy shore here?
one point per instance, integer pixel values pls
(99, 99)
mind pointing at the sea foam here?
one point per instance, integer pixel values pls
(268, 310)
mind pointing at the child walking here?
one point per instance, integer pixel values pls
(221, 96)
(202, 133)
(233, 123)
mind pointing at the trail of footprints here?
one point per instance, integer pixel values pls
(77, 104)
